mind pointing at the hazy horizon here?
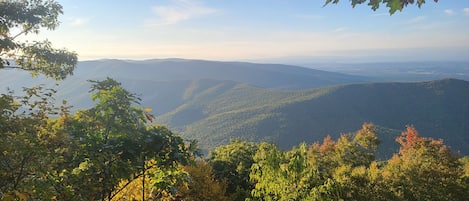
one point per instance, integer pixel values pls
(261, 30)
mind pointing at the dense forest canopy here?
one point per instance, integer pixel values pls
(45, 158)
(112, 151)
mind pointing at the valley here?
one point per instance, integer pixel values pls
(213, 102)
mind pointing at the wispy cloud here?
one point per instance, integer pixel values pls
(309, 16)
(416, 20)
(339, 29)
(449, 12)
(380, 14)
(421, 23)
(79, 21)
(466, 11)
(179, 10)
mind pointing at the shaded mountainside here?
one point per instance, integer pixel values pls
(439, 109)
(214, 102)
(263, 75)
(162, 80)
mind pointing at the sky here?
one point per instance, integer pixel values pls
(261, 30)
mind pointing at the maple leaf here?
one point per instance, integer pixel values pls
(394, 5)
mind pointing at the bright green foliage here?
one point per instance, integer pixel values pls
(424, 169)
(115, 141)
(465, 161)
(31, 145)
(96, 154)
(266, 173)
(465, 178)
(365, 145)
(393, 5)
(29, 17)
(165, 182)
(82, 156)
(350, 150)
(281, 175)
(367, 139)
(232, 163)
(343, 165)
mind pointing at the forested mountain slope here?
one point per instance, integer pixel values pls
(216, 101)
(438, 108)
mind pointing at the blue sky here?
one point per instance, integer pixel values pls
(261, 30)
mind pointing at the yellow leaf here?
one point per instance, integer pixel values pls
(21, 196)
(148, 110)
(8, 197)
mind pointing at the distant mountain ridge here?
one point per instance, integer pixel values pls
(216, 101)
(263, 75)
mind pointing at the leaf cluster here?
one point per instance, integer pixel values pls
(85, 155)
(393, 5)
(346, 169)
(29, 17)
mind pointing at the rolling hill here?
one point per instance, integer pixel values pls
(262, 75)
(439, 109)
(164, 78)
(216, 101)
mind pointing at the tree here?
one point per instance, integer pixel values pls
(22, 17)
(232, 163)
(350, 150)
(193, 182)
(158, 183)
(115, 142)
(282, 175)
(345, 167)
(82, 156)
(393, 5)
(424, 169)
(266, 173)
(202, 184)
(33, 147)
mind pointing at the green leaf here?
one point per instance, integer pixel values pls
(329, 1)
(374, 4)
(355, 2)
(420, 3)
(394, 5)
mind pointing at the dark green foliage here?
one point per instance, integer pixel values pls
(115, 141)
(232, 163)
(28, 17)
(81, 156)
(32, 150)
(393, 5)
(84, 156)
(287, 118)
(213, 111)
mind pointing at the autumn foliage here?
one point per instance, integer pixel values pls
(110, 152)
